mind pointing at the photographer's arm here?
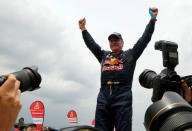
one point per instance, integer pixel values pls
(90, 42)
(146, 37)
(9, 103)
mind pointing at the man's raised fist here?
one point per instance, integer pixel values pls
(82, 23)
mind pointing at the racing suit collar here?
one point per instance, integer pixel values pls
(117, 53)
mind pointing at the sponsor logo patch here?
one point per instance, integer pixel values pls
(112, 64)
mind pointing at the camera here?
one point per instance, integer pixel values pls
(29, 77)
(169, 112)
(168, 79)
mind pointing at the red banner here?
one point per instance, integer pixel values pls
(93, 123)
(37, 113)
(72, 116)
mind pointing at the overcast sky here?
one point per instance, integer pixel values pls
(46, 33)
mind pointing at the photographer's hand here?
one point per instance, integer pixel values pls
(187, 91)
(9, 103)
(82, 23)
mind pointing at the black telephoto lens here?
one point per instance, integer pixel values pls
(146, 78)
(171, 113)
(29, 77)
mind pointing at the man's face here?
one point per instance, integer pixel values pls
(116, 44)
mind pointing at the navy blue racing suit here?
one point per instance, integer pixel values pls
(114, 102)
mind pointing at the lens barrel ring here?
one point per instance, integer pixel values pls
(161, 110)
(167, 112)
(178, 122)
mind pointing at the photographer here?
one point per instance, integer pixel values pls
(9, 102)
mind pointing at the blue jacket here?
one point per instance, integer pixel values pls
(119, 67)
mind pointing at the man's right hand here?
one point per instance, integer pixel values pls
(82, 23)
(9, 103)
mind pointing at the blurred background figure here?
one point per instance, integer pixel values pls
(31, 127)
(21, 124)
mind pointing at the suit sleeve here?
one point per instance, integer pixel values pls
(92, 45)
(141, 44)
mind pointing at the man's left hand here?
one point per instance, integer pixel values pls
(153, 12)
